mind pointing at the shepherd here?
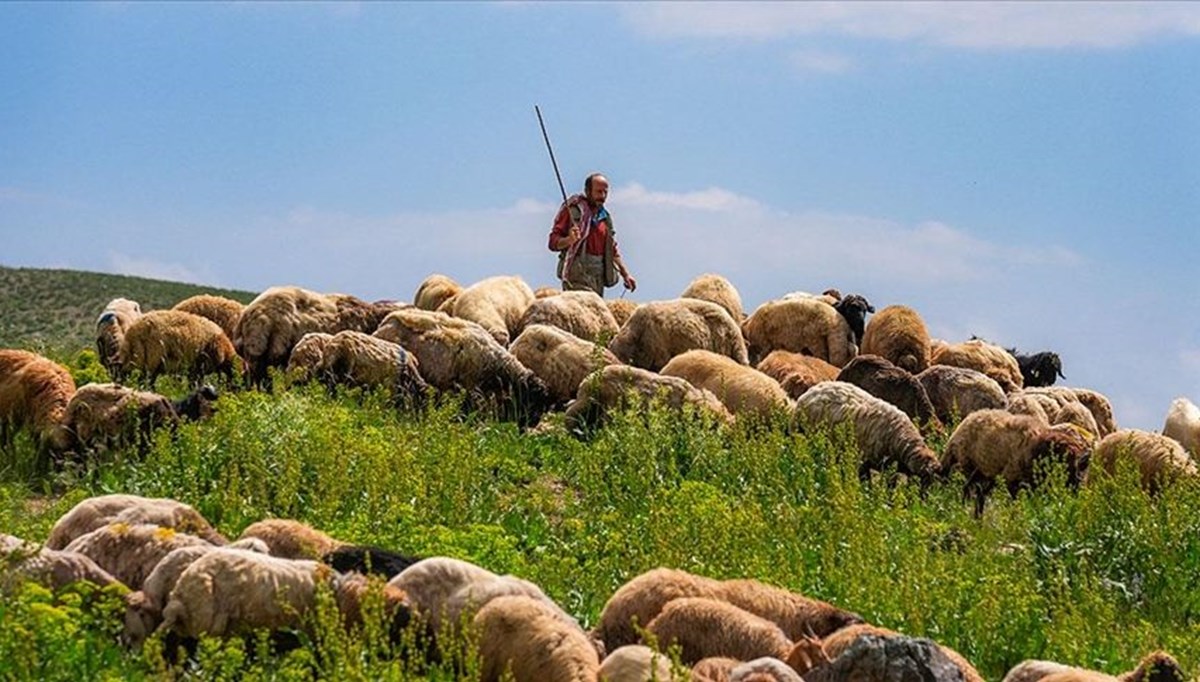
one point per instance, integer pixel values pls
(583, 236)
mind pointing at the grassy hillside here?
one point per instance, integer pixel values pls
(58, 308)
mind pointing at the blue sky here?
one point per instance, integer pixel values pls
(1027, 172)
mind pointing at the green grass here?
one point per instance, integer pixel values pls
(1096, 579)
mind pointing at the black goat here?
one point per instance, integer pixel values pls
(1038, 369)
(368, 560)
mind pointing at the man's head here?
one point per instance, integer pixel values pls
(595, 188)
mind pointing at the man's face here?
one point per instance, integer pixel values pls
(599, 191)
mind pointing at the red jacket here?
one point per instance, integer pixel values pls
(594, 243)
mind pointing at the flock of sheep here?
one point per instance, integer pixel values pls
(815, 360)
(181, 579)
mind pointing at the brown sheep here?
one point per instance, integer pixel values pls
(111, 326)
(104, 416)
(361, 360)
(308, 357)
(456, 354)
(1095, 402)
(704, 628)
(290, 539)
(884, 434)
(523, 636)
(224, 311)
(745, 391)
(274, 322)
(879, 377)
(49, 567)
(100, 511)
(620, 386)
(1156, 667)
(658, 331)
(796, 372)
(581, 313)
(1159, 459)
(175, 342)
(717, 289)
(982, 356)
(130, 552)
(800, 325)
(898, 334)
(496, 303)
(621, 309)
(995, 443)
(956, 392)
(434, 291)
(559, 358)
(34, 394)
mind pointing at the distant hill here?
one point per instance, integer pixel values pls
(57, 309)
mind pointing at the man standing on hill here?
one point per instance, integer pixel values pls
(583, 236)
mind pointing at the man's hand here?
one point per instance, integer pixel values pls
(572, 238)
(630, 282)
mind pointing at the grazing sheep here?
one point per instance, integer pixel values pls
(49, 567)
(1158, 666)
(1032, 405)
(111, 326)
(522, 636)
(130, 552)
(745, 391)
(796, 372)
(981, 356)
(621, 386)
(464, 603)
(224, 311)
(766, 669)
(582, 313)
(714, 668)
(308, 357)
(143, 609)
(230, 592)
(560, 358)
(430, 583)
(456, 354)
(434, 291)
(710, 627)
(546, 292)
(368, 560)
(842, 640)
(34, 393)
(290, 539)
(1033, 670)
(635, 663)
(1183, 424)
(996, 443)
(717, 289)
(176, 342)
(361, 360)
(879, 377)
(643, 597)
(496, 304)
(658, 331)
(1097, 403)
(807, 326)
(621, 309)
(1159, 459)
(1038, 369)
(898, 334)
(956, 392)
(103, 416)
(96, 512)
(885, 435)
(272, 324)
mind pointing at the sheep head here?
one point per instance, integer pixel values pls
(806, 654)
(854, 308)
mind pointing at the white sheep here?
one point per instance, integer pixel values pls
(361, 360)
(434, 290)
(581, 313)
(308, 357)
(560, 358)
(103, 416)
(635, 663)
(496, 303)
(96, 512)
(800, 325)
(1159, 459)
(717, 289)
(745, 391)
(111, 325)
(524, 637)
(885, 435)
(176, 342)
(1183, 424)
(658, 331)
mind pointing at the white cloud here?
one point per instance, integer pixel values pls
(977, 25)
(819, 62)
(124, 264)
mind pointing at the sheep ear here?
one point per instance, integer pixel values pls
(1060, 374)
(870, 308)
